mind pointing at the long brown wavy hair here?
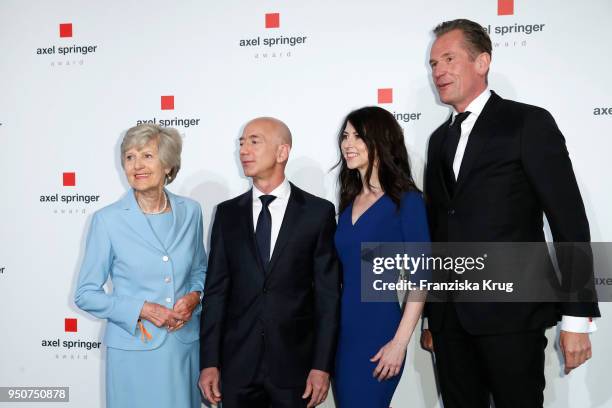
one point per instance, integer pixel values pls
(384, 139)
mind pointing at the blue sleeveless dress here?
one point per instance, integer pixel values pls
(366, 327)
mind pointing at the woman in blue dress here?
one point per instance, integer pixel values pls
(149, 244)
(379, 202)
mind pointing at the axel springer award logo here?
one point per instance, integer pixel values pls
(167, 103)
(513, 35)
(68, 201)
(505, 7)
(272, 40)
(602, 111)
(385, 98)
(68, 346)
(67, 52)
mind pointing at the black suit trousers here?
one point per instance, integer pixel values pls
(262, 392)
(472, 368)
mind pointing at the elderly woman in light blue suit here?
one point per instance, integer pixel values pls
(150, 245)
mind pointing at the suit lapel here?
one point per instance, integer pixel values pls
(292, 213)
(137, 221)
(178, 219)
(479, 137)
(245, 205)
(439, 141)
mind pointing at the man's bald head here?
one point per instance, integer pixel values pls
(264, 150)
(272, 127)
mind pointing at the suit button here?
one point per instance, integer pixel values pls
(265, 290)
(167, 279)
(451, 212)
(165, 258)
(262, 333)
(168, 300)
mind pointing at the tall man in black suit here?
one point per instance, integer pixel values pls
(271, 301)
(493, 169)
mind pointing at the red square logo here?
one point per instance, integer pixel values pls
(505, 7)
(69, 179)
(385, 95)
(167, 102)
(65, 30)
(272, 20)
(70, 325)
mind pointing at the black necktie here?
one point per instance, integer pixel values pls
(453, 133)
(263, 231)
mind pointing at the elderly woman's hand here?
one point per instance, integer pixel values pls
(160, 315)
(185, 307)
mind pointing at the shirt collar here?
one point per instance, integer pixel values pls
(477, 105)
(282, 191)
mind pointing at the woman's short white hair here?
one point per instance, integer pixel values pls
(169, 145)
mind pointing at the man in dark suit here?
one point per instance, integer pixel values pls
(271, 301)
(493, 169)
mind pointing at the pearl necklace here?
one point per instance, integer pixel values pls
(158, 212)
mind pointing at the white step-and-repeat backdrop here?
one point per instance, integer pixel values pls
(75, 75)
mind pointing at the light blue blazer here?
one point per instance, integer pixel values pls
(122, 245)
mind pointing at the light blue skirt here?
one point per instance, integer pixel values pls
(164, 377)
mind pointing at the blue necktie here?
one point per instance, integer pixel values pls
(263, 231)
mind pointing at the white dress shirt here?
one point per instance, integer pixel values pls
(568, 323)
(475, 108)
(277, 208)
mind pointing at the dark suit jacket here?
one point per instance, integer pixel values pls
(515, 168)
(287, 314)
